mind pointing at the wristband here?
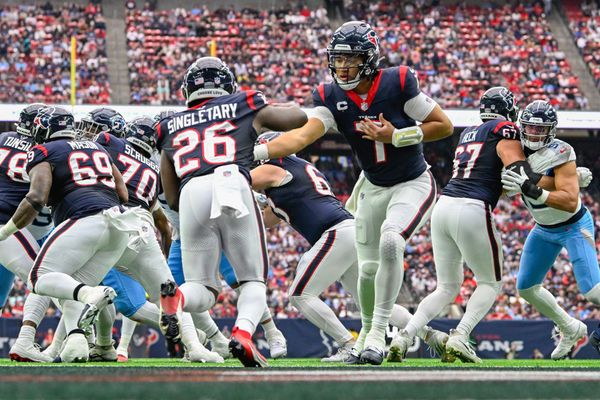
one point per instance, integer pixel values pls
(407, 136)
(544, 196)
(261, 152)
(8, 229)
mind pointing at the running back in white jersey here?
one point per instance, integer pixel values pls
(544, 161)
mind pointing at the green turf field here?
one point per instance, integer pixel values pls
(304, 379)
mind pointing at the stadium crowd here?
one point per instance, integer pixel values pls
(584, 21)
(35, 53)
(456, 50)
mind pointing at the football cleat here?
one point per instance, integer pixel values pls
(23, 351)
(199, 353)
(221, 348)
(353, 358)
(171, 304)
(568, 339)
(96, 299)
(243, 349)
(340, 356)
(458, 345)
(277, 345)
(436, 340)
(399, 346)
(103, 353)
(372, 355)
(74, 350)
(122, 357)
(595, 339)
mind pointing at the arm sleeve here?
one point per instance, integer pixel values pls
(322, 113)
(419, 107)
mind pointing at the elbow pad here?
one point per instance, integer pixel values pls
(534, 177)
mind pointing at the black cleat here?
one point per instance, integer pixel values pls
(372, 355)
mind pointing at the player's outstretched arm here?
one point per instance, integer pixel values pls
(120, 185)
(170, 182)
(162, 224)
(279, 117)
(291, 142)
(39, 190)
(437, 125)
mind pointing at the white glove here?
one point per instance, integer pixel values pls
(510, 184)
(407, 136)
(512, 180)
(261, 199)
(584, 176)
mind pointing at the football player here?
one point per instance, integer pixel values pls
(206, 155)
(376, 110)
(84, 188)
(462, 226)
(101, 120)
(19, 249)
(300, 194)
(561, 222)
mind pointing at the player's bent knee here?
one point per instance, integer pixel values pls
(496, 286)
(391, 245)
(448, 290)
(299, 301)
(529, 292)
(368, 269)
(593, 295)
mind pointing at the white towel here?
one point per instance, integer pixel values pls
(134, 221)
(352, 202)
(228, 183)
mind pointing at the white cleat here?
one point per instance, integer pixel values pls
(458, 345)
(436, 340)
(23, 351)
(568, 339)
(340, 356)
(96, 299)
(199, 353)
(75, 349)
(221, 348)
(399, 346)
(277, 345)
(106, 353)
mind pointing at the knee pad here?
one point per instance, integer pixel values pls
(391, 245)
(593, 295)
(368, 268)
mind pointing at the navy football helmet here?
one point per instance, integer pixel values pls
(538, 124)
(354, 39)
(101, 120)
(262, 139)
(141, 133)
(206, 78)
(26, 118)
(162, 115)
(53, 123)
(498, 103)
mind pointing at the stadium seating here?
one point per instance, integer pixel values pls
(584, 21)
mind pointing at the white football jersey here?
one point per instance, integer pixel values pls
(543, 161)
(42, 224)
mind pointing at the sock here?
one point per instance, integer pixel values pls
(27, 334)
(147, 314)
(60, 333)
(593, 295)
(545, 303)
(104, 326)
(71, 311)
(400, 318)
(56, 284)
(35, 308)
(478, 306)
(189, 337)
(251, 305)
(205, 323)
(127, 328)
(323, 317)
(197, 297)
(431, 306)
(366, 298)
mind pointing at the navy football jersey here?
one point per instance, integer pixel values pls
(140, 174)
(383, 163)
(306, 202)
(14, 182)
(477, 166)
(82, 181)
(216, 132)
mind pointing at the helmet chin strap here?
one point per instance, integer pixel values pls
(349, 85)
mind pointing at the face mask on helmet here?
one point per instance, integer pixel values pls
(206, 78)
(99, 121)
(141, 133)
(53, 123)
(26, 117)
(538, 124)
(498, 103)
(353, 54)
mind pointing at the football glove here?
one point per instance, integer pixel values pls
(519, 182)
(261, 199)
(584, 176)
(407, 136)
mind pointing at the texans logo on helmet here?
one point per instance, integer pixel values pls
(43, 118)
(371, 37)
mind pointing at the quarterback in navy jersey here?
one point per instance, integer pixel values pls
(300, 194)
(84, 188)
(206, 156)
(377, 112)
(462, 225)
